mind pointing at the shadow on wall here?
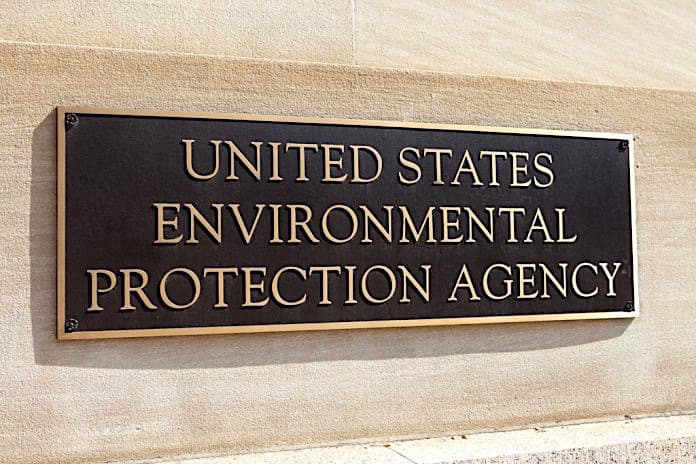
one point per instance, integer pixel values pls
(219, 351)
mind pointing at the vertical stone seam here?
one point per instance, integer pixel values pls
(402, 455)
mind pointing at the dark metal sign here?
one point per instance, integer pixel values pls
(176, 223)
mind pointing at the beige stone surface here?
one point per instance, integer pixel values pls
(301, 30)
(648, 440)
(673, 451)
(143, 398)
(638, 43)
(631, 42)
(628, 440)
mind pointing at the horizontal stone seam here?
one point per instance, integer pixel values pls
(388, 443)
(341, 65)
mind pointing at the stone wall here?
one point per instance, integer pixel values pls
(142, 398)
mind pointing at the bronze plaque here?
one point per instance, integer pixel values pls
(188, 223)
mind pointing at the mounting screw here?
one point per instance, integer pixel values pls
(71, 325)
(629, 306)
(623, 145)
(70, 120)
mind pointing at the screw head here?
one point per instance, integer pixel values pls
(70, 120)
(623, 145)
(629, 306)
(71, 325)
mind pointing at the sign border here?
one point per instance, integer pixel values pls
(62, 334)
